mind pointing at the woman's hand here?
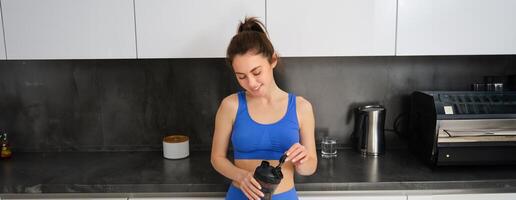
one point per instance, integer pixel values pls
(250, 186)
(297, 154)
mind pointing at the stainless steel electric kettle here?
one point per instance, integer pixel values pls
(369, 130)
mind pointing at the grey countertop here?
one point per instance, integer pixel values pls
(149, 172)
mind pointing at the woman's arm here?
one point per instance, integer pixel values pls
(304, 155)
(223, 126)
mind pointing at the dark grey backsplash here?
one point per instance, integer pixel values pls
(125, 105)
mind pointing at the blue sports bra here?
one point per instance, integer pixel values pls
(252, 140)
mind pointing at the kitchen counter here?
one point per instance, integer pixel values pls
(148, 172)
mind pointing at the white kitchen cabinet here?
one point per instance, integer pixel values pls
(497, 196)
(2, 43)
(190, 28)
(179, 198)
(351, 197)
(333, 27)
(301, 197)
(69, 29)
(72, 199)
(456, 27)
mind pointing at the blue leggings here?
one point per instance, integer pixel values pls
(236, 194)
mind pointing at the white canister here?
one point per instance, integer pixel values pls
(176, 146)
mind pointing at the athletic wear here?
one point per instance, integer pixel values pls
(252, 140)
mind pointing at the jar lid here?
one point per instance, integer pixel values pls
(175, 138)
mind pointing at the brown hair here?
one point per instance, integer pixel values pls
(251, 36)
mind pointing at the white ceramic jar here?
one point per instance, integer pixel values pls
(176, 146)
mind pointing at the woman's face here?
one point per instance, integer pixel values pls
(254, 72)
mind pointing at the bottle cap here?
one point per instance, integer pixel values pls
(267, 173)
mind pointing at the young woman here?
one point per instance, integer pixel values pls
(263, 122)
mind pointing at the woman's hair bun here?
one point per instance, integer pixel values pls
(251, 36)
(251, 24)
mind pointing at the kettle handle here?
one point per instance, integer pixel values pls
(363, 129)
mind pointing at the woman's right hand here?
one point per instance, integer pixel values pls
(250, 186)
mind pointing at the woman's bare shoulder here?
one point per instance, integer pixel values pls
(229, 104)
(231, 100)
(303, 105)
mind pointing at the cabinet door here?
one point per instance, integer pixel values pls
(2, 43)
(498, 196)
(72, 199)
(352, 197)
(190, 28)
(332, 27)
(419, 197)
(179, 198)
(69, 29)
(456, 27)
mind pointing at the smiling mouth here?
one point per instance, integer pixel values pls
(256, 88)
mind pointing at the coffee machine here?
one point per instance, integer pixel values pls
(464, 127)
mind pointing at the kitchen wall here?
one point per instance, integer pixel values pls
(124, 105)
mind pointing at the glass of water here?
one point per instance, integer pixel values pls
(328, 147)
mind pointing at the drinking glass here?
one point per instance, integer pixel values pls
(328, 147)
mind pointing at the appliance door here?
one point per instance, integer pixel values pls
(476, 142)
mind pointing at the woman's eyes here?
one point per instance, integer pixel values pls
(255, 73)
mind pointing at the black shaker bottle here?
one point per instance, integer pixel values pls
(269, 177)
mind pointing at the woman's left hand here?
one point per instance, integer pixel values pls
(297, 154)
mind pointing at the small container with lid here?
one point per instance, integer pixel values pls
(176, 146)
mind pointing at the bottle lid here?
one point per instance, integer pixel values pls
(268, 174)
